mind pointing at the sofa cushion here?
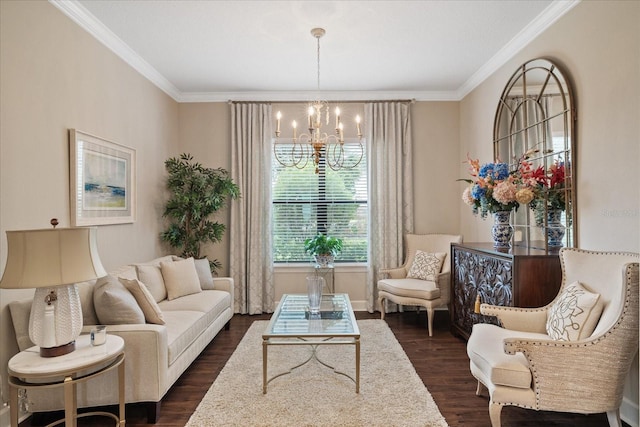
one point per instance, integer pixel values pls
(180, 278)
(114, 303)
(410, 288)
(20, 313)
(85, 292)
(575, 314)
(189, 316)
(151, 276)
(152, 312)
(511, 370)
(426, 266)
(204, 273)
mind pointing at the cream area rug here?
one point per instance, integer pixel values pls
(391, 393)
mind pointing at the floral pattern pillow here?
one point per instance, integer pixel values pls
(574, 315)
(426, 266)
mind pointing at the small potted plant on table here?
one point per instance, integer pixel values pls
(323, 248)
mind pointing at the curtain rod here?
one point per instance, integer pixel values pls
(412, 101)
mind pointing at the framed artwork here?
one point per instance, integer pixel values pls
(102, 181)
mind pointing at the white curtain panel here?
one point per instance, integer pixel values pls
(251, 262)
(389, 145)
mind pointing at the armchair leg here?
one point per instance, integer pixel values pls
(494, 413)
(430, 320)
(381, 304)
(480, 389)
(614, 418)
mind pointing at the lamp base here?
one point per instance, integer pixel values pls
(60, 350)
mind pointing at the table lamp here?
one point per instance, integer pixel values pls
(53, 261)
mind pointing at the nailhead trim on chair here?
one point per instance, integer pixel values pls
(512, 347)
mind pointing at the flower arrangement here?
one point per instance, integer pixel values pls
(496, 189)
(549, 191)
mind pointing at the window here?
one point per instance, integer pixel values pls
(330, 202)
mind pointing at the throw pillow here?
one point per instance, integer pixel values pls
(114, 304)
(426, 266)
(575, 314)
(180, 278)
(151, 276)
(145, 300)
(204, 273)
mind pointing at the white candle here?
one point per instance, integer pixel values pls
(311, 111)
(358, 125)
(337, 117)
(295, 126)
(278, 117)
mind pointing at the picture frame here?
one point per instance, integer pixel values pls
(102, 181)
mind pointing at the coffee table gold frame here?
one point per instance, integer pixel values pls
(303, 333)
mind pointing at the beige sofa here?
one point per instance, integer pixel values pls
(155, 354)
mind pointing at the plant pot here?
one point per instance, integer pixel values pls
(324, 260)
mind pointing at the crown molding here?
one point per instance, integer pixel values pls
(304, 96)
(536, 27)
(81, 16)
(76, 12)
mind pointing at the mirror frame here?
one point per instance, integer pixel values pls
(536, 119)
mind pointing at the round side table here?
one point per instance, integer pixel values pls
(67, 371)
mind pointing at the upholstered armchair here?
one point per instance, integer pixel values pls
(424, 278)
(572, 355)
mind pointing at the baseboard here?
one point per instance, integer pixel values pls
(629, 412)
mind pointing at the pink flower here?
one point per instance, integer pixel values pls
(505, 192)
(467, 197)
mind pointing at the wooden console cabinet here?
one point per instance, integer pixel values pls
(521, 277)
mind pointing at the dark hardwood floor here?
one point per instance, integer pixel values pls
(441, 361)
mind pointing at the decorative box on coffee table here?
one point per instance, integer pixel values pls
(519, 277)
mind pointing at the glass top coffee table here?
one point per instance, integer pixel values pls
(293, 324)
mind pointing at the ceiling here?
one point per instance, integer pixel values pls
(263, 50)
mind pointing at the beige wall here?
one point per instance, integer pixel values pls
(599, 46)
(598, 43)
(205, 133)
(55, 76)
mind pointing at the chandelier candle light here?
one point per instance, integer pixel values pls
(313, 144)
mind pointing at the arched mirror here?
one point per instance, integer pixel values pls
(535, 123)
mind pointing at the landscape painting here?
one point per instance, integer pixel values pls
(102, 181)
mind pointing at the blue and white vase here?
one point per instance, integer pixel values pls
(501, 231)
(555, 228)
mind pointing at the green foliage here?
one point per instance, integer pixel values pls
(323, 245)
(197, 193)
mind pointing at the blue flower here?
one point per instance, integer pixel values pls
(486, 170)
(478, 192)
(500, 171)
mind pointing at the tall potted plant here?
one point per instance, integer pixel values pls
(323, 248)
(196, 194)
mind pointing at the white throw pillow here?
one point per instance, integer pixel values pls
(204, 273)
(151, 276)
(426, 266)
(180, 278)
(145, 300)
(114, 303)
(575, 314)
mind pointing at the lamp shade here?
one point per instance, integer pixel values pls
(51, 257)
(53, 261)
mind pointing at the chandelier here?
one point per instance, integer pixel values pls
(317, 143)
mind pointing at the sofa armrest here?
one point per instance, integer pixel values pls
(517, 318)
(146, 357)
(225, 284)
